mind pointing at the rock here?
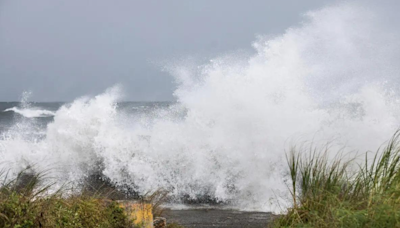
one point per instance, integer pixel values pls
(159, 222)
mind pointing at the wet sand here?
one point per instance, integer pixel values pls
(212, 218)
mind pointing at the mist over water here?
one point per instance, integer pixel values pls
(333, 78)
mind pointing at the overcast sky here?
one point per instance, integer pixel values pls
(63, 49)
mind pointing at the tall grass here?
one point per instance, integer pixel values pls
(26, 202)
(328, 193)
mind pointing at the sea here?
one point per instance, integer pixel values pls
(42, 113)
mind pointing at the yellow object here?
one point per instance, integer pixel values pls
(140, 213)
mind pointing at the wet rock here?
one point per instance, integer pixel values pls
(97, 183)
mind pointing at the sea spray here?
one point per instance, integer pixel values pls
(330, 79)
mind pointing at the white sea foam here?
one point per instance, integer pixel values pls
(31, 113)
(329, 79)
(27, 110)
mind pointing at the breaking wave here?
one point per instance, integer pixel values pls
(332, 78)
(31, 113)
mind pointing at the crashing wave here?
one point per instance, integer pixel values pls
(31, 112)
(331, 78)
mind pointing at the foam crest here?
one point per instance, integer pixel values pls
(31, 113)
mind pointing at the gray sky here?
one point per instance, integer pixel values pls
(63, 49)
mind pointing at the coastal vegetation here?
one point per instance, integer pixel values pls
(341, 192)
(25, 203)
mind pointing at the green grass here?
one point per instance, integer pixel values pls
(328, 192)
(24, 203)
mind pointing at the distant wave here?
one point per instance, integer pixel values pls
(31, 113)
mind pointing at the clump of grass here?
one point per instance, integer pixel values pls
(156, 199)
(25, 202)
(327, 194)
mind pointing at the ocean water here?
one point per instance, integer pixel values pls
(42, 113)
(333, 78)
